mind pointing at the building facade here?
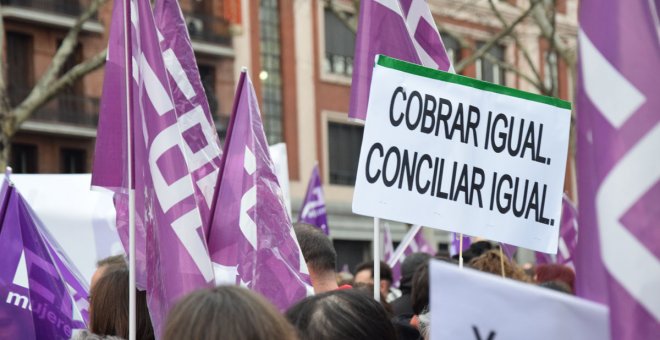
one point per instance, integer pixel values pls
(300, 56)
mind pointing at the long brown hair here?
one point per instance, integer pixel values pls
(109, 307)
(226, 312)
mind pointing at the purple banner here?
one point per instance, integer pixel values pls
(251, 240)
(313, 208)
(617, 258)
(393, 29)
(35, 301)
(170, 243)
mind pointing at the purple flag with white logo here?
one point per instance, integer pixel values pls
(202, 145)
(402, 29)
(313, 208)
(617, 258)
(35, 300)
(169, 222)
(251, 239)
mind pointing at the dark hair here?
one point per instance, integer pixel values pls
(368, 289)
(419, 294)
(558, 286)
(385, 270)
(316, 247)
(109, 307)
(555, 272)
(341, 314)
(226, 312)
(476, 249)
(117, 260)
(409, 267)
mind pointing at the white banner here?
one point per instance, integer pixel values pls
(467, 304)
(458, 154)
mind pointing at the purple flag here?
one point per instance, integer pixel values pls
(417, 245)
(251, 240)
(617, 259)
(313, 208)
(388, 253)
(169, 223)
(36, 302)
(402, 29)
(455, 243)
(567, 232)
(202, 145)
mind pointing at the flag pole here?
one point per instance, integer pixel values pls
(410, 236)
(377, 259)
(502, 261)
(131, 193)
(460, 250)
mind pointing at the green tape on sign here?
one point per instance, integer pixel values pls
(421, 71)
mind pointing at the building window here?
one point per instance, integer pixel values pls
(488, 70)
(351, 253)
(72, 161)
(23, 158)
(452, 46)
(344, 142)
(339, 45)
(207, 75)
(271, 71)
(70, 100)
(19, 60)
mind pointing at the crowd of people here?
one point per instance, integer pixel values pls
(341, 308)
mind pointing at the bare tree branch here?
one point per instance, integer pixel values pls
(349, 20)
(63, 52)
(487, 46)
(507, 66)
(520, 46)
(4, 98)
(566, 53)
(22, 113)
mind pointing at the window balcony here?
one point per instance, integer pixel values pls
(63, 7)
(68, 110)
(208, 29)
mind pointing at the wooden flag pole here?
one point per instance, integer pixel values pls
(131, 193)
(460, 250)
(502, 261)
(410, 236)
(377, 259)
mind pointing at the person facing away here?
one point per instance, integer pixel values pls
(403, 305)
(108, 312)
(560, 274)
(106, 264)
(364, 274)
(341, 314)
(320, 256)
(226, 312)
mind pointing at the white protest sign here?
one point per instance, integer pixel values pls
(458, 154)
(467, 304)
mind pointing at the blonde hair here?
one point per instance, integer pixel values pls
(490, 262)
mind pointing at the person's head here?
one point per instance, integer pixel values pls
(419, 295)
(319, 254)
(409, 267)
(109, 306)
(557, 286)
(491, 262)
(369, 290)
(226, 312)
(476, 249)
(556, 272)
(343, 314)
(364, 274)
(105, 264)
